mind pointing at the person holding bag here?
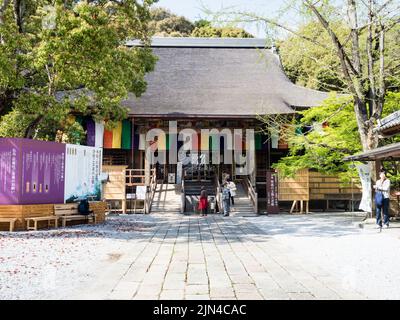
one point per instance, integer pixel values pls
(232, 189)
(382, 200)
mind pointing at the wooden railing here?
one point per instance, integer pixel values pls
(151, 191)
(251, 193)
(137, 177)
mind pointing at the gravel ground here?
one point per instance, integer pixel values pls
(54, 264)
(365, 259)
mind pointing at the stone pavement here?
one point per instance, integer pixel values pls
(190, 257)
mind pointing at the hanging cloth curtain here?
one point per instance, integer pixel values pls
(213, 142)
(167, 141)
(274, 140)
(126, 140)
(117, 136)
(136, 141)
(205, 141)
(161, 142)
(99, 134)
(108, 139)
(90, 132)
(258, 141)
(238, 142)
(142, 141)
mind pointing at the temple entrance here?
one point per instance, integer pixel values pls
(197, 168)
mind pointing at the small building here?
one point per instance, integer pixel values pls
(201, 83)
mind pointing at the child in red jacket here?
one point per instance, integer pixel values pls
(203, 203)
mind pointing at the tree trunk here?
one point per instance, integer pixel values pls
(30, 130)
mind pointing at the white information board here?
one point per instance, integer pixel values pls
(141, 192)
(82, 172)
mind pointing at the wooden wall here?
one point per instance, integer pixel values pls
(295, 188)
(309, 185)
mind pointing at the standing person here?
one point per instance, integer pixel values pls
(226, 199)
(382, 200)
(232, 189)
(203, 203)
(225, 177)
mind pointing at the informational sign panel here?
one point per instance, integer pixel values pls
(272, 192)
(31, 171)
(365, 177)
(82, 172)
(141, 192)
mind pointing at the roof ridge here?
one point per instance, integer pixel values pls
(193, 42)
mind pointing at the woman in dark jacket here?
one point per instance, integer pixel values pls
(203, 203)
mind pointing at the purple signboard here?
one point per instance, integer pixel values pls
(31, 172)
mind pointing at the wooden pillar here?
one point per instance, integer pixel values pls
(132, 162)
(147, 168)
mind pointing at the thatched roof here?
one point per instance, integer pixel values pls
(218, 78)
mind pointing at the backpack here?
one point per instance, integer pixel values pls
(83, 207)
(379, 199)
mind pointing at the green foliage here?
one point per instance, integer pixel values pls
(164, 23)
(76, 62)
(328, 134)
(317, 67)
(209, 31)
(309, 64)
(167, 24)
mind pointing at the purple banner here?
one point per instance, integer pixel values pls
(31, 172)
(90, 132)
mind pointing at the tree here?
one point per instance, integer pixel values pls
(164, 23)
(365, 69)
(167, 24)
(309, 65)
(69, 57)
(319, 138)
(208, 31)
(312, 66)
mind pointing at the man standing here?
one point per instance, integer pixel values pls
(382, 200)
(226, 199)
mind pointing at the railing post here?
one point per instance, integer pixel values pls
(183, 197)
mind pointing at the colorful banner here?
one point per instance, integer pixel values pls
(258, 141)
(117, 136)
(99, 135)
(90, 132)
(82, 172)
(31, 172)
(126, 140)
(108, 139)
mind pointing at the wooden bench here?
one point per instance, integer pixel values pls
(69, 212)
(35, 221)
(11, 221)
(350, 198)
